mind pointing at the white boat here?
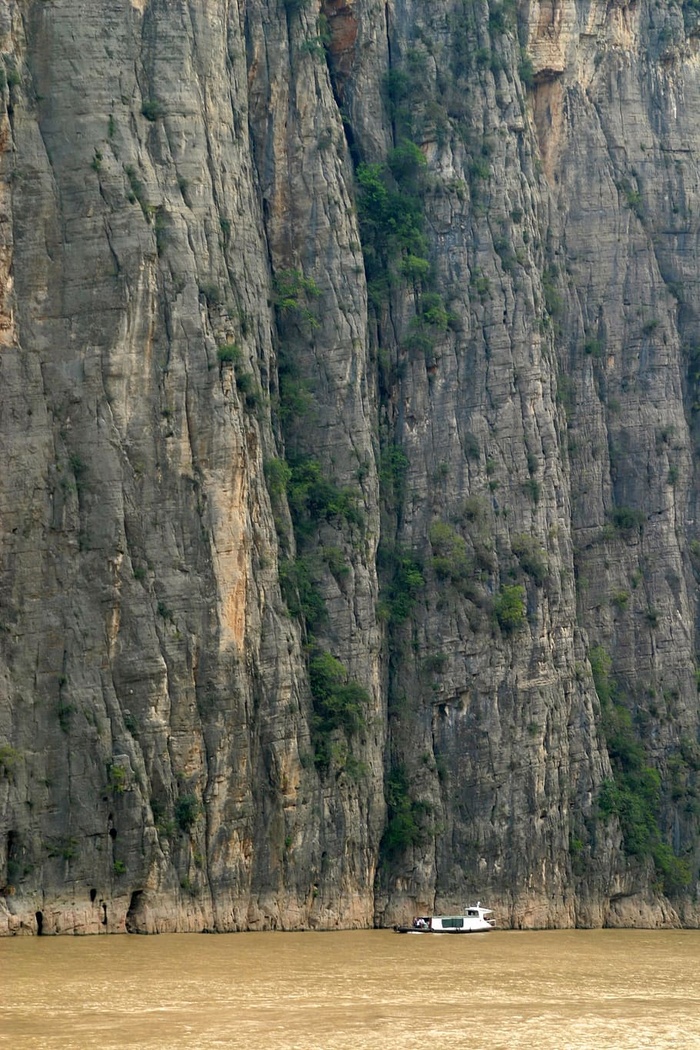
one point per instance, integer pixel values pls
(472, 921)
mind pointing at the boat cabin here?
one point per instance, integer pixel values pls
(447, 922)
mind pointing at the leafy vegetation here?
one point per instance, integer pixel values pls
(65, 847)
(230, 353)
(628, 519)
(391, 214)
(277, 475)
(165, 825)
(335, 559)
(405, 582)
(405, 816)
(633, 198)
(509, 608)
(526, 70)
(299, 583)
(137, 190)
(313, 498)
(294, 295)
(152, 109)
(187, 809)
(554, 303)
(451, 560)
(601, 665)
(633, 794)
(340, 704)
(9, 759)
(247, 387)
(117, 779)
(532, 558)
(296, 401)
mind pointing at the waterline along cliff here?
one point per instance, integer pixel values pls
(349, 408)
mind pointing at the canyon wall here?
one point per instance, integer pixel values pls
(349, 358)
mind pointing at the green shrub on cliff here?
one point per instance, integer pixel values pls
(294, 294)
(633, 793)
(391, 213)
(532, 557)
(450, 556)
(404, 582)
(628, 519)
(405, 816)
(314, 498)
(187, 809)
(230, 353)
(118, 779)
(509, 608)
(299, 583)
(340, 705)
(339, 702)
(9, 759)
(277, 476)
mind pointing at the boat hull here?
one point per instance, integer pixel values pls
(413, 929)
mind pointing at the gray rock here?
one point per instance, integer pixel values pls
(462, 466)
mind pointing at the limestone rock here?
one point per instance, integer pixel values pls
(348, 543)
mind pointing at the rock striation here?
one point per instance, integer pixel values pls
(349, 547)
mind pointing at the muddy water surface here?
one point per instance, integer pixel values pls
(560, 990)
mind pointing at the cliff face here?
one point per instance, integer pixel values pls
(348, 368)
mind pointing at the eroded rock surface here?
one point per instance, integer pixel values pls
(348, 407)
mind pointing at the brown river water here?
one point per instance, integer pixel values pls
(558, 990)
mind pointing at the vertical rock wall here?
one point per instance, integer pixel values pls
(347, 401)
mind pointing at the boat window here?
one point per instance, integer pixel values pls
(453, 923)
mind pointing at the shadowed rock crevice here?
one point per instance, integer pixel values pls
(135, 916)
